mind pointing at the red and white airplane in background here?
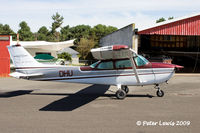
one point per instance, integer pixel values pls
(118, 65)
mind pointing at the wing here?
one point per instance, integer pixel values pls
(113, 52)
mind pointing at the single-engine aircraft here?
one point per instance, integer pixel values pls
(118, 65)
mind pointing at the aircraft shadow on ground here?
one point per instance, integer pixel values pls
(80, 98)
(14, 93)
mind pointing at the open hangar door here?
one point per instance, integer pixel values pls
(177, 38)
(183, 50)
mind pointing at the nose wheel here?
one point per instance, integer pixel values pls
(159, 93)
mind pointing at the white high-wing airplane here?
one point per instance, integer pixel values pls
(118, 65)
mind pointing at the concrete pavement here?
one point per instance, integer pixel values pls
(35, 106)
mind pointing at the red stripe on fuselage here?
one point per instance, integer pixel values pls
(164, 65)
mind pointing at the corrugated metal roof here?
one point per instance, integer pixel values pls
(187, 25)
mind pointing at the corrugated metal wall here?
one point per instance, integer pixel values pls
(189, 26)
(121, 36)
(4, 56)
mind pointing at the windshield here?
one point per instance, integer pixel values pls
(140, 60)
(94, 64)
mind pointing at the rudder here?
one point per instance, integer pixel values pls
(21, 58)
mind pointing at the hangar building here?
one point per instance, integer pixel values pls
(178, 39)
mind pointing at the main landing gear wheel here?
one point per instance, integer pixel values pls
(160, 93)
(126, 89)
(120, 94)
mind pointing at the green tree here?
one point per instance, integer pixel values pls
(51, 37)
(5, 29)
(1, 28)
(101, 30)
(160, 20)
(84, 47)
(65, 56)
(25, 33)
(79, 31)
(163, 19)
(42, 33)
(65, 33)
(110, 29)
(57, 22)
(170, 18)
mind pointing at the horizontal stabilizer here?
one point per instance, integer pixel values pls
(24, 76)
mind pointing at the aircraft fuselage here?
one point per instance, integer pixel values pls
(87, 75)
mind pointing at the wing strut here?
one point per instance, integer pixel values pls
(134, 68)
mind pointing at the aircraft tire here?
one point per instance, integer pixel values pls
(120, 94)
(126, 89)
(160, 93)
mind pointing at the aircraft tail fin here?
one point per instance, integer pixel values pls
(21, 58)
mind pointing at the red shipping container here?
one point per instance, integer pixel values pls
(4, 56)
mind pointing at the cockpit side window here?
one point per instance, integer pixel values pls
(105, 65)
(139, 60)
(121, 64)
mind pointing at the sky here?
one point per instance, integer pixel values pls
(118, 13)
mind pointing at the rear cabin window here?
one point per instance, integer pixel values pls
(105, 65)
(123, 64)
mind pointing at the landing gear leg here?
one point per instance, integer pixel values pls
(120, 94)
(159, 92)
